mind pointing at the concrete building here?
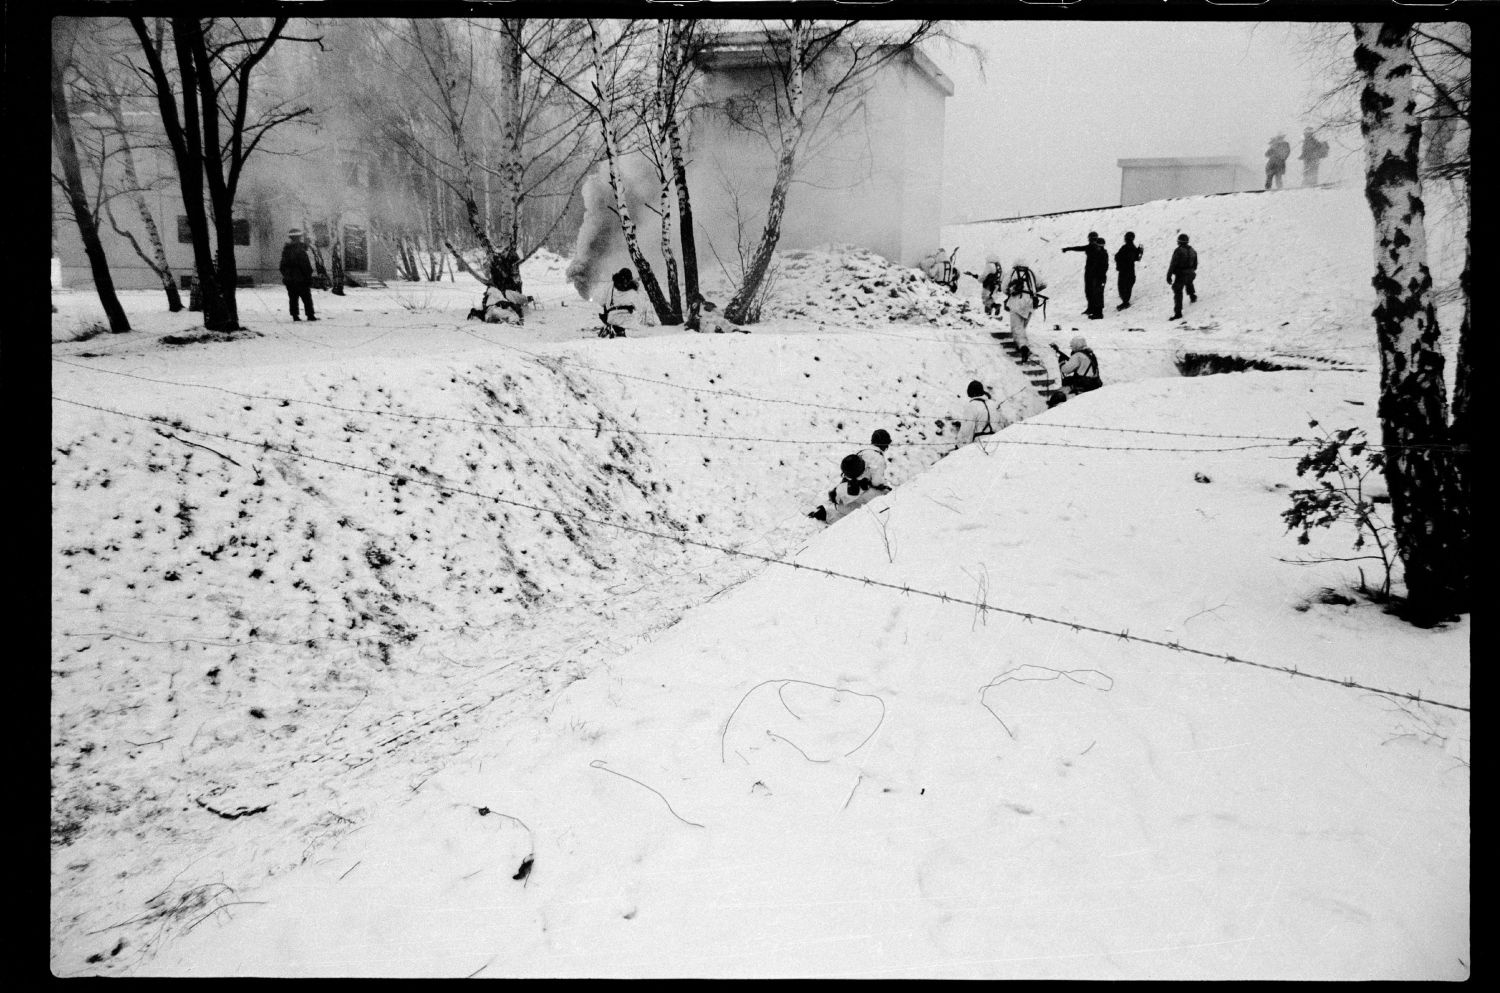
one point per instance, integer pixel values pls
(329, 191)
(871, 176)
(266, 209)
(1158, 179)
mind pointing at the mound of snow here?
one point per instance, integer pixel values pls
(848, 285)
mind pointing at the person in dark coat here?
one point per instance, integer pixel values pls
(1276, 155)
(1181, 273)
(297, 273)
(1095, 271)
(1125, 259)
(1313, 153)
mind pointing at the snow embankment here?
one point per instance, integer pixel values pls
(817, 777)
(246, 632)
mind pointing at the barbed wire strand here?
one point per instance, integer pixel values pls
(906, 590)
(598, 428)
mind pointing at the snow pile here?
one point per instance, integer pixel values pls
(850, 286)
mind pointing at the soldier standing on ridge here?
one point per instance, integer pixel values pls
(1276, 155)
(1125, 259)
(1185, 268)
(1313, 153)
(296, 274)
(1095, 271)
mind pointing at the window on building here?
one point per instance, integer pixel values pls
(241, 230)
(356, 249)
(320, 233)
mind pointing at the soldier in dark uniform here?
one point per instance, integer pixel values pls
(1181, 273)
(1313, 153)
(1095, 271)
(297, 273)
(1125, 259)
(1276, 155)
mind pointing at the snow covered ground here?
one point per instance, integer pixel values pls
(370, 656)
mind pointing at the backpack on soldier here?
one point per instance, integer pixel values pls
(1088, 381)
(989, 421)
(1023, 280)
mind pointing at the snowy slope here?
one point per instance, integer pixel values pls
(1109, 810)
(886, 784)
(1267, 285)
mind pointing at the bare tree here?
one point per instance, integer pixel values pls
(65, 146)
(207, 117)
(605, 87)
(678, 45)
(838, 60)
(473, 112)
(1423, 469)
(102, 79)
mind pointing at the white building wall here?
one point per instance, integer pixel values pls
(1168, 178)
(875, 181)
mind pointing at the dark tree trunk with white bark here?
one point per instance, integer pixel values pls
(1422, 468)
(672, 70)
(605, 107)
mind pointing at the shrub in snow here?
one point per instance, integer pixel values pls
(1341, 463)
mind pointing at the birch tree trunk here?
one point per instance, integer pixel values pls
(497, 273)
(686, 236)
(158, 259)
(510, 152)
(605, 108)
(663, 100)
(1422, 471)
(88, 227)
(742, 308)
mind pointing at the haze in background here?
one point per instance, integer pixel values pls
(1060, 102)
